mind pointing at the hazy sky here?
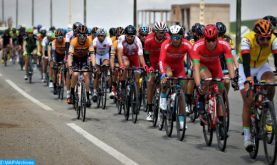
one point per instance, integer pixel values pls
(107, 13)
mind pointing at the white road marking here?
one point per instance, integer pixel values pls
(45, 107)
(105, 147)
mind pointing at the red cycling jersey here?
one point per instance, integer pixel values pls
(153, 47)
(210, 58)
(173, 57)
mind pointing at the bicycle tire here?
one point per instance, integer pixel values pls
(134, 102)
(221, 124)
(127, 107)
(254, 130)
(156, 108)
(193, 107)
(271, 158)
(227, 107)
(104, 91)
(180, 133)
(83, 102)
(168, 122)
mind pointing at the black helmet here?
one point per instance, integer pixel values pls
(199, 30)
(221, 28)
(130, 30)
(193, 28)
(271, 19)
(76, 25)
(112, 31)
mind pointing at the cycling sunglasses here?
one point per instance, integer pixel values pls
(60, 37)
(264, 38)
(211, 39)
(82, 36)
(176, 37)
(100, 36)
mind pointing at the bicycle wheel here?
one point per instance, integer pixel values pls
(143, 93)
(168, 122)
(83, 101)
(221, 124)
(127, 108)
(118, 98)
(180, 131)
(227, 108)
(269, 135)
(5, 59)
(134, 102)
(254, 130)
(99, 93)
(156, 108)
(104, 88)
(77, 101)
(193, 107)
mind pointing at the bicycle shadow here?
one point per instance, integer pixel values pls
(259, 158)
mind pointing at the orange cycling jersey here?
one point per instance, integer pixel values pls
(79, 50)
(59, 47)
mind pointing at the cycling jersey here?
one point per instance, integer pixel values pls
(102, 48)
(153, 48)
(31, 44)
(131, 51)
(6, 40)
(259, 55)
(173, 57)
(59, 47)
(45, 43)
(69, 36)
(79, 50)
(210, 58)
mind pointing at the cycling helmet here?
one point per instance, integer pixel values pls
(199, 29)
(43, 32)
(143, 30)
(76, 25)
(101, 31)
(94, 29)
(82, 29)
(210, 31)
(176, 29)
(271, 19)
(29, 30)
(193, 28)
(39, 27)
(160, 26)
(221, 28)
(130, 30)
(59, 32)
(263, 28)
(112, 31)
(119, 31)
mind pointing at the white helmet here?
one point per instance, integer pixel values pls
(101, 31)
(176, 29)
(160, 26)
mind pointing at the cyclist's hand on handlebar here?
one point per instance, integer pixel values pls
(163, 78)
(248, 83)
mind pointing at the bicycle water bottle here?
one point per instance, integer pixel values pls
(172, 98)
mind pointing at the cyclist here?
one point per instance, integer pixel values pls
(58, 50)
(222, 34)
(103, 48)
(130, 52)
(206, 60)
(256, 47)
(29, 48)
(6, 43)
(152, 49)
(171, 62)
(68, 37)
(45, 56)
(80, 49)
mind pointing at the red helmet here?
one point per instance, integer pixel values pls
(210, 31)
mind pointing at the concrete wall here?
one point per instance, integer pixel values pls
(213, 14)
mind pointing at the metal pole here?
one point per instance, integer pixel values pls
(16, 14)
(51, 12)
(85, 12)
(3, 12)
(33, 12)
(238, 32)
(135, 13)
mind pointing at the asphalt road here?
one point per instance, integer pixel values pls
(34, 124)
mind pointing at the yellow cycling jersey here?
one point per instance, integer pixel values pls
(258, 54)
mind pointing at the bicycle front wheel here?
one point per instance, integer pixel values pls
(134, 102)
(83, 102)
(221, 124)
(168, 122)
(180, 117)
(104, 88)
(269, 133)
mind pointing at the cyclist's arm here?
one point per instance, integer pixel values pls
(229, 59)
(246, 58)
(140, 53)
(120, 50)
(70, 55)
(195, 56)
(92, 54)
(112, 56)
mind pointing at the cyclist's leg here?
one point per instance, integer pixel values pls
(265, 73)
(96, 78)
(163, 95)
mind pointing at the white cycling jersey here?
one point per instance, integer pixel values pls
(130, 49)
(69, 36)
(102, 48)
